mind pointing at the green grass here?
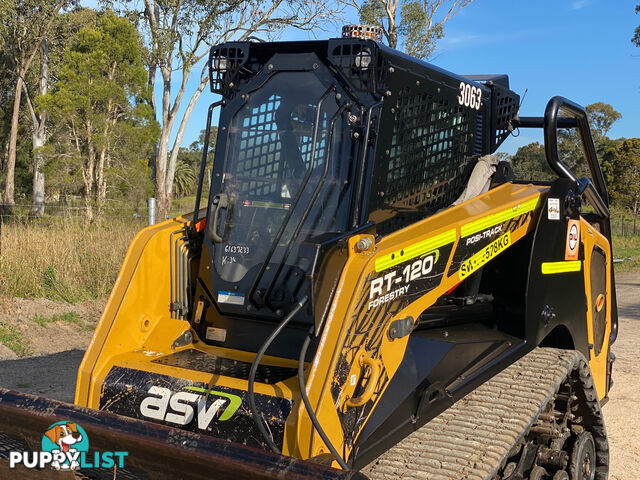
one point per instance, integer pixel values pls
(10, 336)
(68, 317)
(627, 247)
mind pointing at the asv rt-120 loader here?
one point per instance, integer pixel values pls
(366, 287)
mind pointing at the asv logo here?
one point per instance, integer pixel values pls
(181, 407)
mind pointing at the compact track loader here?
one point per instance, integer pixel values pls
(365, 287)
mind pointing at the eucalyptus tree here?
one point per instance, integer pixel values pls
(99, 110)
(178, 36)
(414, 26)
(26, 24)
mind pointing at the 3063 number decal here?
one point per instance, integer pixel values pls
(470, 96)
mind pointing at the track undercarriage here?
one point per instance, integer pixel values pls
(539, 419)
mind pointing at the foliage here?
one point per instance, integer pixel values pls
(25, 26)
(420, 24)
(621, 166)
(601, 116)
(530, 163)
(636, 36)
(178, 36)
(67, 317)
(10, 337)
(188, 165)
(104, 128)
(184, 179)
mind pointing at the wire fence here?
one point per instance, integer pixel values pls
(75, 209)
(625, 227)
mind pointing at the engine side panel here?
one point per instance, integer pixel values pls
(408, 271)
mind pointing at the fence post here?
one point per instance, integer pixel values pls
(152, 211)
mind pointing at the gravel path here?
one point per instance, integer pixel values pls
(622, 412)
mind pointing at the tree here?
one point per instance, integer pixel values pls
(601, 116)
(179, 35)
(28, 22)
(188, 165)
(420, 24)
(621, 166)
(104, 126)
(530, 163)
(64, 30)
(636, 36)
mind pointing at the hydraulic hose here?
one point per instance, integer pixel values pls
(254, 368)
(307, 404)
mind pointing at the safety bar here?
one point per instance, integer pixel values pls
(597, 195)
(538, 122)
(203, 163)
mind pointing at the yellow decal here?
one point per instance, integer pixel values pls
(483, 256)
(599, 303)
(415, 250)
(491, 220)
(549, 268)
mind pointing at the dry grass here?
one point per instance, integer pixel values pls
(58, 259)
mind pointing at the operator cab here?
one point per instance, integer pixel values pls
(318, 141)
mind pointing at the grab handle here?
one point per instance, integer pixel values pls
(220, 201)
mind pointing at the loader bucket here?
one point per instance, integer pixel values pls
(153, 451)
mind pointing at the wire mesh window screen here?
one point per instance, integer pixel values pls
(360, 63)
(427, 158)
(261, 161)
(506, 109)
(224, 64)
(259, 154)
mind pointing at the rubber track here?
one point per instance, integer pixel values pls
(473, 438)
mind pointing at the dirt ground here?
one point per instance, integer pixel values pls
(60, 347)
(622, 412)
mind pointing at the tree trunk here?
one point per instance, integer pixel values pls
(88, 175)
(391, 9)
(173, 159)
(39, 136)
(163, 199)
(9, 191)
(151, 82)
(101, 184)
(38, 139)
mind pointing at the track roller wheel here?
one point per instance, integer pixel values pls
(538, 473)
(583, 458)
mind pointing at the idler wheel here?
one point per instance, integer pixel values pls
(583, 458)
